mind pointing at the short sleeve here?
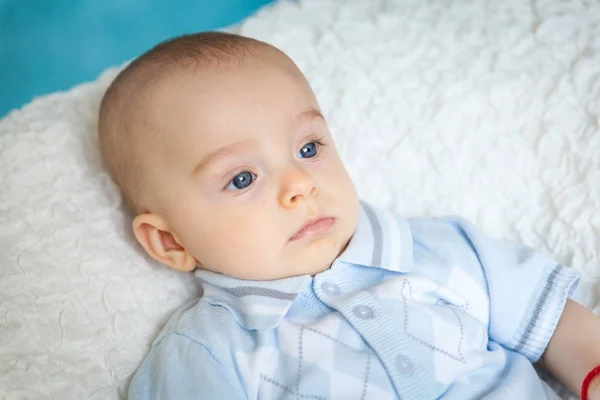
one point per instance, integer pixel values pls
(527, 289)
(522, 291)
(179, 368)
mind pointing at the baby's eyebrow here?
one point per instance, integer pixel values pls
(219, 153)
(311, 113)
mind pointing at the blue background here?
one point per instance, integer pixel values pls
(50, 45)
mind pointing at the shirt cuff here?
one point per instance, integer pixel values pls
(558, 283)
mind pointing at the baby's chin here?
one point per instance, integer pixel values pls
(318, 256)
(310, 259)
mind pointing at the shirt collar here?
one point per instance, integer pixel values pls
(254, 304)
(381, 240)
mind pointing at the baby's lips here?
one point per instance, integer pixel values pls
(314, 227)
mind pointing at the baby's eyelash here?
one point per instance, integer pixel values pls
(318, 140)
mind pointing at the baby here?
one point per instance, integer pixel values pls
(218, 145)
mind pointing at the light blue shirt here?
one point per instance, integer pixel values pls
(412, 309)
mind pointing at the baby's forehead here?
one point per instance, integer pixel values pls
(228, 88)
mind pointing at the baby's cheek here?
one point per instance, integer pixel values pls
(240, 252)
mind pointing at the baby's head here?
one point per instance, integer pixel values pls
(218, 145)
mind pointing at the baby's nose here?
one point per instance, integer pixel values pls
(297, 186)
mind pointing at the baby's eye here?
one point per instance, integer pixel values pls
(241, 181)
(309, 150)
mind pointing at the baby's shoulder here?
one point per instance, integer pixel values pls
(442, 232)
(443, 247)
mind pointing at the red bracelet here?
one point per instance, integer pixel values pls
(586, 382)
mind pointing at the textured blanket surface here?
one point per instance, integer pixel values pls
(488, 109)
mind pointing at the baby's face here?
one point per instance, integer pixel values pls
(244, 161)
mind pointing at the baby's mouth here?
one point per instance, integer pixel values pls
(314, 228)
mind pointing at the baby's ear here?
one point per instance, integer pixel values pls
(155, 236)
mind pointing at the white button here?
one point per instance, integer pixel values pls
(363, 312)
(330, 289)
(404, 364)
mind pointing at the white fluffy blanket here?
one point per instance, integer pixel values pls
(488, 109)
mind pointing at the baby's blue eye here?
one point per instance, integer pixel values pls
(241, 181)
(309, 150)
